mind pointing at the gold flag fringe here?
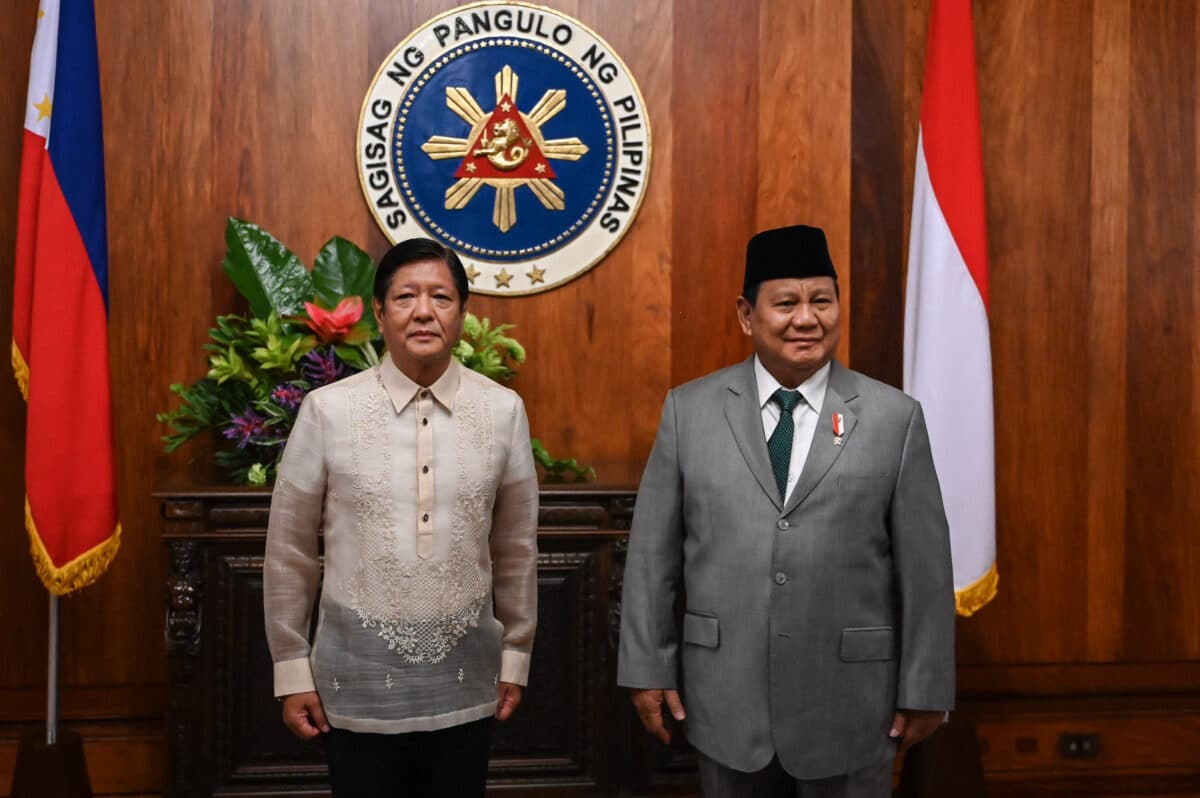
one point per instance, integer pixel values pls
(79, 572)
(974, 596)
(20, 370)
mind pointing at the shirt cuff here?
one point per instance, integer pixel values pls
(293, 676)
(514, 667)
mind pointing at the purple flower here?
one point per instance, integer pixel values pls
(249, 427)
(287, 395)
(322, 366)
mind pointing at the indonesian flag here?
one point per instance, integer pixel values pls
(60, 306)
(947, 352)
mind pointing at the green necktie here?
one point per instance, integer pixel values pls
(780, 442)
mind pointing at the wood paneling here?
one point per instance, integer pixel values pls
(877, 191)
(126, 758)
(1163, 502)
(1036, 139)
(763, 113)
(1108, 332)
(18, 585)
(804, 107)
(713, 188)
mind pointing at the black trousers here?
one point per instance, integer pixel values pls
(447, 763)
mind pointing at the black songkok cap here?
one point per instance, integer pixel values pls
(798, 251)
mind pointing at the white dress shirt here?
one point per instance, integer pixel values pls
(805, 414)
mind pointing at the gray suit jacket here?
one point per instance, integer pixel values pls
(806, 625)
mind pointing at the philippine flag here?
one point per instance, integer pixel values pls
(947, 347)
(60, 306)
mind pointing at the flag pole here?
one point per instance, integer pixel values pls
(52, 765)
(52, 675)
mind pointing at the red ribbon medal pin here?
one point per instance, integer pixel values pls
(839, 428)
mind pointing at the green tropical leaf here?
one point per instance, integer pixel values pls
(205, 405)
(352, 356)
(249, 356)
(559, 469)
(487, 349)
(256, 474)
(341, 270)
(264, 270)
(471, 327)
(229, 366)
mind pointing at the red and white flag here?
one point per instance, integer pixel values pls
(947, 348)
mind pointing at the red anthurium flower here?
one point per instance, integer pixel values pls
(334, 326)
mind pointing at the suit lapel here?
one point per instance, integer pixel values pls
(824, 452)
(745, 421)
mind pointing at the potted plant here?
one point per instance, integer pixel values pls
(304, 329)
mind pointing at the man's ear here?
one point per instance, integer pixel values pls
(743, 313)
(377, 309)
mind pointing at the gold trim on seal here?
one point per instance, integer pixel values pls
(464, 190)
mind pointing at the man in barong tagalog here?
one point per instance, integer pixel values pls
(419, 474)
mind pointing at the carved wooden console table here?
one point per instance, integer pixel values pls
(575, 733)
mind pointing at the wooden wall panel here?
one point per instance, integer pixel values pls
(763, 113)
(804, 81)
(19, 587)
(713, 189)
(878, 199)
(1107, 468)
(1162, 604)
(1036, 151)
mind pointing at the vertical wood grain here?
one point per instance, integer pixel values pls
(714, 103)
(878, 202)
(1191, 469)
(1162, 602)
(19, 587)
(1108, 435)
(1035, 98)
(803, 163)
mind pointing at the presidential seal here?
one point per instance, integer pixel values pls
(511, 133)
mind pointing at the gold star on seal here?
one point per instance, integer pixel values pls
(503, 278)
(540, 169)
(536, 275)
(506, 107)
(472, 273)
(43, 108)
(471, 167)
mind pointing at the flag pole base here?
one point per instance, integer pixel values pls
(51, 771)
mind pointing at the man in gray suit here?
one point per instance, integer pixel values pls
(794, 503)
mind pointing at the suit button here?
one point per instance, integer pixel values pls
(783, 525)
(780, 578)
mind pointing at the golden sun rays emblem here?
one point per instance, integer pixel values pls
(505, 149)
(556, 129)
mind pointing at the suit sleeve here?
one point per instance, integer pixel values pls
(653, 568)
(924, 578)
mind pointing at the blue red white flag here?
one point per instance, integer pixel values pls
(947, 346)
(60, 306)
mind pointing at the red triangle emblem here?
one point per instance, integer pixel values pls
(505, 149)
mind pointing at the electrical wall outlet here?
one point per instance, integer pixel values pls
(1078, 745)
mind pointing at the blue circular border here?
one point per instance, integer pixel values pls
(420, 214)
